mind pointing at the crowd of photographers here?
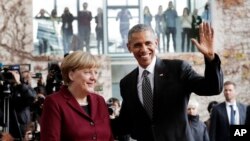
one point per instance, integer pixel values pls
(21, 104)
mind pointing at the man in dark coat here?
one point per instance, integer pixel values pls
(164, 116)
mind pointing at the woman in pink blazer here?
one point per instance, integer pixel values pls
(75, 112)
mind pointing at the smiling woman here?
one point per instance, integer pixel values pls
(76, 100)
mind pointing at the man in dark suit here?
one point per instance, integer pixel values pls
(172, 81)
(248, 116)
(221, 117)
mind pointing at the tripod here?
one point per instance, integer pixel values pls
(6, 113)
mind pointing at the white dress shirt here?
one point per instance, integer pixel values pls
(236, 112)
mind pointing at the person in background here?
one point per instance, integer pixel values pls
(155, 94)
(114, 107)
(160, 27)
(186, 21)
(230, 112)
(209, 109)
(114, 111)
(76, 112)
(43, 43)
(67, 29)
(84, 27)
(198, 128)
(124, 16)
(43, 14)
(54, 78)
(196, 21)
(21, 96)
(99, 30)
(206, 14)
(147, 16)
(170, 16)
(248, 116)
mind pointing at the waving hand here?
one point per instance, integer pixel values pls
(206, 41)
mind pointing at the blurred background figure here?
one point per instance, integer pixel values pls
(43, 14)
(170, 16)
(124, 16)
(20, 98)
(114, 107)
(248, 116)
(147, 16)
(160, 27)
(206, 14)
(198, 128)
(54, 78)
(229, 112)
(209, 109)
(186, 21)
(67, 29)
(84, 28)
(196, 21)
(99, 30)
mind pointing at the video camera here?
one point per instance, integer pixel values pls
(37, 75)
(55, 72)
(7, 76)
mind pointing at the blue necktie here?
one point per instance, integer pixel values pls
(232, 120)
(147, 94)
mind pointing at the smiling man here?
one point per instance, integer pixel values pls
(156, 93)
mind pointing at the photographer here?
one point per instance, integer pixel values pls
(20, 96)
(54, 78)
(114, 107)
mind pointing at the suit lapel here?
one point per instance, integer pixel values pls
(134, 81)
(241, 114)
(224, 113)
(73, 103)
(160, 77)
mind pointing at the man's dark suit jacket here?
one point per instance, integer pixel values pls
(248, 116)
(174, 80)
(219, 128)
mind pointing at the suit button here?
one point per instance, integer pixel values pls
(92, 123)
(94, 137)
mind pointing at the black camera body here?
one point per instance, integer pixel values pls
(55, 72)
(7, 76)
(37, 75)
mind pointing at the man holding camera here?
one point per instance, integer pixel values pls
(19, 96)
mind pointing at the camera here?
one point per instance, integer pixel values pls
(55, 72)
(7, 76)
(54, 79)
(111, 108)
(37, 75)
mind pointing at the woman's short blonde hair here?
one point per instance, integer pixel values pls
(78, 60)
